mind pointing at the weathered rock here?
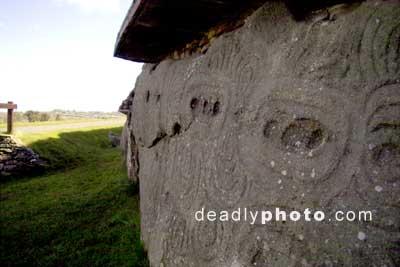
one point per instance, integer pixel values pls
(128, 142)
(114, 139)
(130, 152)
(279, 113)
(16, 160)
(126, 105)
(155, 29)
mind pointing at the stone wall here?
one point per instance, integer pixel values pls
(17, 160)
(279, 113)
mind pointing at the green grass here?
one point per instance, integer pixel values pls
(66, 149)
(48, 123)
(81, 212)
(44, 123)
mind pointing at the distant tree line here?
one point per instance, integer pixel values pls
(58, 114)
(32, 116)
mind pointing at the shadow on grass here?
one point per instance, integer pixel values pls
(71, 149)
(68, 150)
(81, 212)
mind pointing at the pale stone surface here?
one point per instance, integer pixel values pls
(312, 104)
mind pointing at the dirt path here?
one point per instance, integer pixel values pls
(67, 126)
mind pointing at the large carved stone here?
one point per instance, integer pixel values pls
(279, 113)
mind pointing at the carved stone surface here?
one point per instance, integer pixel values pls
(278, 113)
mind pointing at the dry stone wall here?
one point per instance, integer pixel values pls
(278, 113)
(17, 160)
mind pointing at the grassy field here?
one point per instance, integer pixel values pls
(41, 123)
(3, 126)
(81, 212)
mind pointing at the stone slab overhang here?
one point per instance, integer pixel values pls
(153, 29)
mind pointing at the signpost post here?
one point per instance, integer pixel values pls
(10, 106)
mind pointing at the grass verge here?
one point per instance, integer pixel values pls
(83, 212)
(61, 122)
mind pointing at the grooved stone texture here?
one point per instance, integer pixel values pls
(278, 113)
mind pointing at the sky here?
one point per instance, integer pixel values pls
(58, 54)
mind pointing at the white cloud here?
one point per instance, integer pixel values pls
(112, 6)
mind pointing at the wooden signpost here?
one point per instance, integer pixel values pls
(10, 106)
